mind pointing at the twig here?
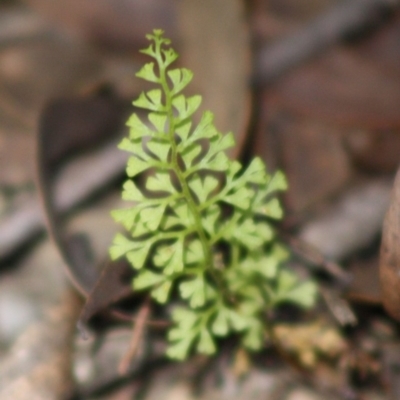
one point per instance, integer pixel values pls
(338, 306)
(323, 32)
(138, 329)
(20, 27)
(80, 179)
(311, 255)
(104, 388)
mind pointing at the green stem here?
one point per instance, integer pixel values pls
(208, 255)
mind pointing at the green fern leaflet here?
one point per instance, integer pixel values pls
(199, 223)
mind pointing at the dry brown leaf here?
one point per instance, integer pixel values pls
(216, 47)
(67, 126)
(389, 264)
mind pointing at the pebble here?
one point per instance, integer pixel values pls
(25, 291)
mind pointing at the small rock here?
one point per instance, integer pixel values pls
(24, 292)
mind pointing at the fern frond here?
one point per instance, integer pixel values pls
(194, 231)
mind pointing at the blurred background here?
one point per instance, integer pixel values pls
(312, 86)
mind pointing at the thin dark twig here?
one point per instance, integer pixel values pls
(137, 334)
(339, 307)
(100, 389)
(87, 175)
(311, 255)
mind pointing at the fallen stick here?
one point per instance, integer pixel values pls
(77, 182)
(274, 60)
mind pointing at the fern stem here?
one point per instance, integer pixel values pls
(207, 251)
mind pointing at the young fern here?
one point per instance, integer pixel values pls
(199, 224)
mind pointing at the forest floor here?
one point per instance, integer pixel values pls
(313, 87)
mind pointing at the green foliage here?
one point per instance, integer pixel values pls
(200, 223)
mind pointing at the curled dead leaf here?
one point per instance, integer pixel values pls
(389, 265)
